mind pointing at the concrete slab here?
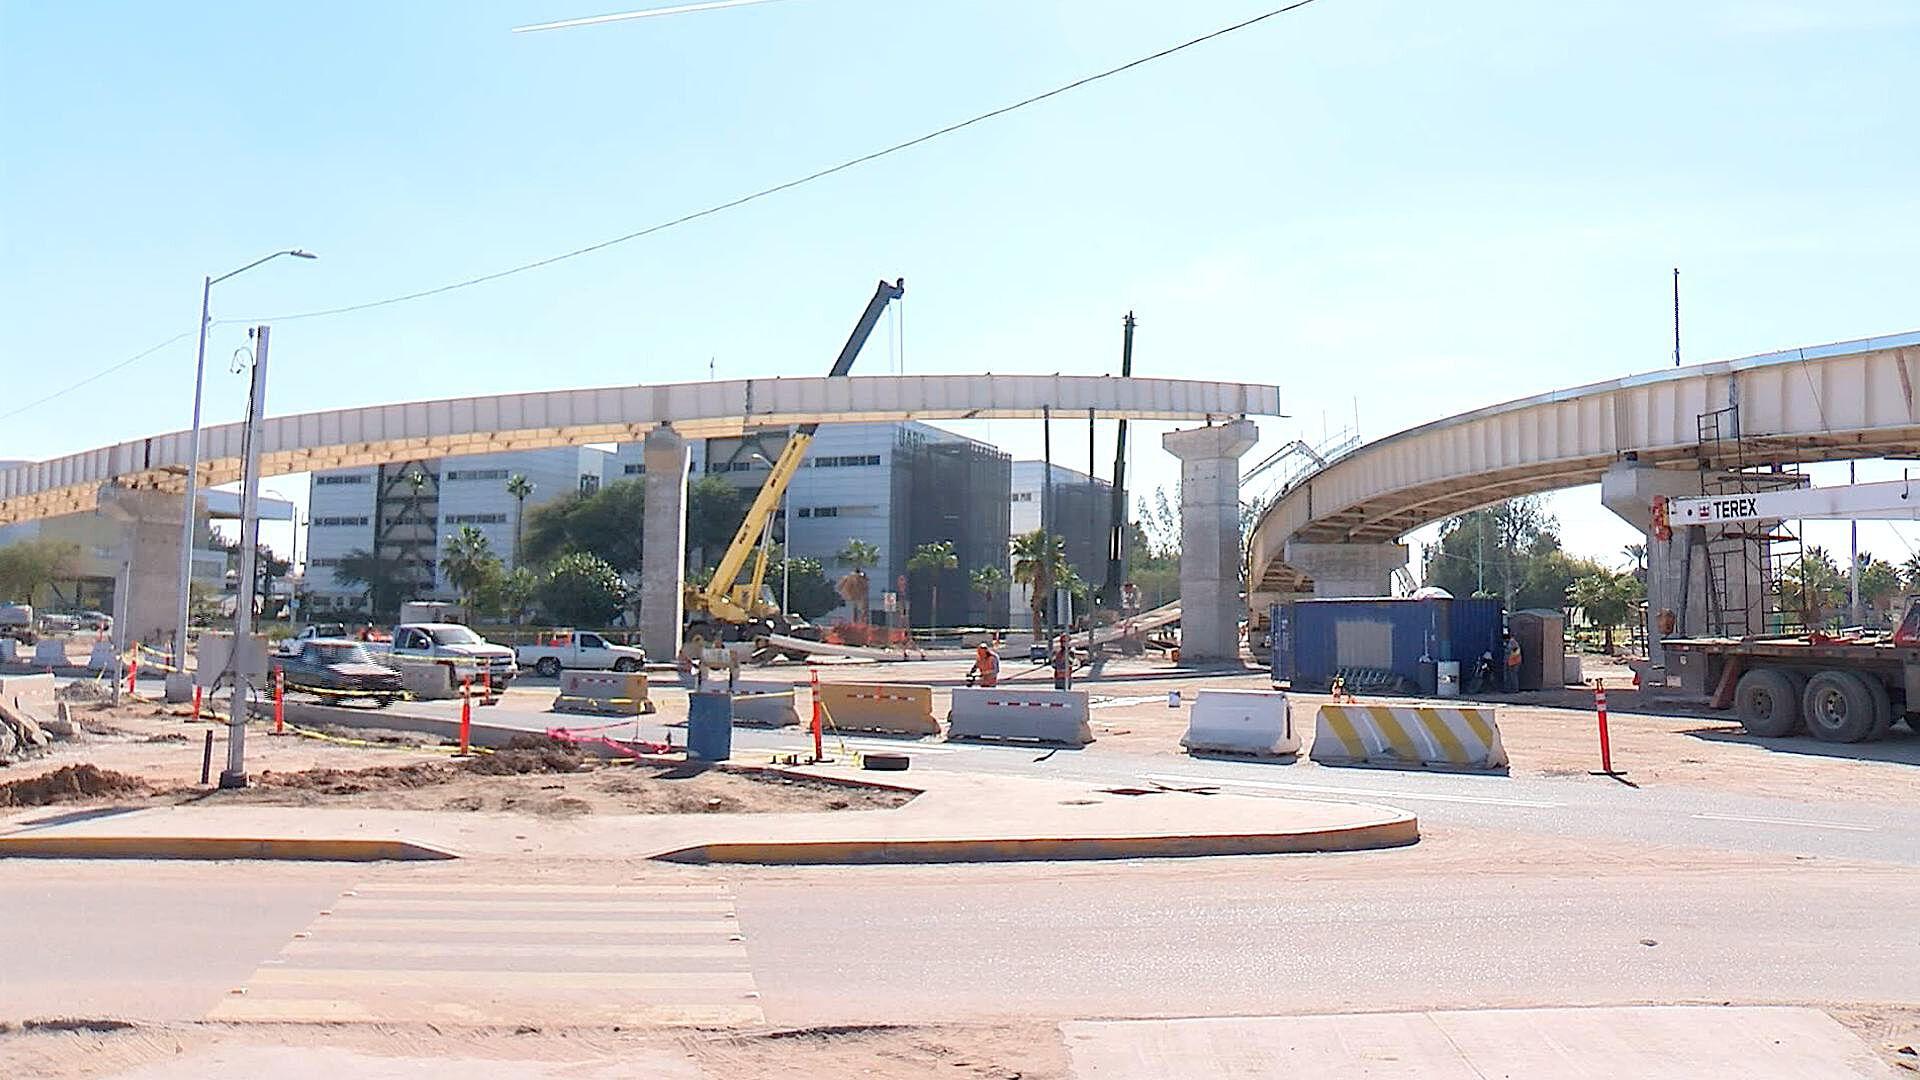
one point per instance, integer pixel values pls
(1650, 1042)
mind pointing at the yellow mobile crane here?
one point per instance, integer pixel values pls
(726, 607)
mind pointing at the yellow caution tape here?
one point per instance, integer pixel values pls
(366, 744)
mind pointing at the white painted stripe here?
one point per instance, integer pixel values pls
(660, 889)
(611, 906)
(1138, 699)
(521, 926)
(740, 981)
(1788, 821)
(1369, 793)
(719, 950)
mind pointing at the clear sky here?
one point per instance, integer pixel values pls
(1408, 208)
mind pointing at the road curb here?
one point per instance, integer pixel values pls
(1398, 832)
(274, 849)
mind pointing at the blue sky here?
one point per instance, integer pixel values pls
(1424, 207)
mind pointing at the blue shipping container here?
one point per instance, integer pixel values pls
(1316, 639)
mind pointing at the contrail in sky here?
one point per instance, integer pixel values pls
(678, 9)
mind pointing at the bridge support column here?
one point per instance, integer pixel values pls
(1678, 576)
(663, 539)
(1347, 569)
(1210, 537)
(147, 587)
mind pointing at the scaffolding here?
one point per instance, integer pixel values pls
(1752, 571)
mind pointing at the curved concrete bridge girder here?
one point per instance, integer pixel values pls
(344, 438)
(1850, 399)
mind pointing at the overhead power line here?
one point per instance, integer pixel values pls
(789, 185)
(709, 211)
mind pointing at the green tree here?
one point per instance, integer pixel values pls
(520, 488)
(854, 587)
(1511, 551)
(583, 590)
(810, 594)
(1039, 563)
(1880, 587)
(605, 523)
(1910, 572)
(933, 559)
(468, 561)
(988, 581)
(385, 580)
(715, 509)
(503, 593)
(1816, 586)
(1606, 599)
(28, 566)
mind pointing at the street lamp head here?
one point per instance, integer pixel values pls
(299, 254)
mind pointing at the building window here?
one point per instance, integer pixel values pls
(350, 478)
(328, 522)
(589, 484)
(313, 564)
(823, 511)
(1023, 496)
(847, 460)
(477, 474)
(634, 470)
(475, 519)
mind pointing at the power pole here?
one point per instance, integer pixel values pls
(1117, 519)
(1046, 499)
(235, 774)
(1676, 316)
(1853, 565)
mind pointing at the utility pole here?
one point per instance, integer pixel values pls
(1093, 502)
(1853, 564)
(235, 774)
(1046, 499)
(1117, 522)
(1676, 316)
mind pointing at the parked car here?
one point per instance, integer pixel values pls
(340, 668)
(578, 649)
(16, 622)
(458, 645)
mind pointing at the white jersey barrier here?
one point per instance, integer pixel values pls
(8, 649)
(1254, 722)
(887, 708)
(615, 693)
(102, 658)
(1047, 716)
(50, 653)
(1464, 736)
(764, 704)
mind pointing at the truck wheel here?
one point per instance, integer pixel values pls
(1838, 707)
(1883, 716)
(626, 663)
(1766, 703)
(547, 667)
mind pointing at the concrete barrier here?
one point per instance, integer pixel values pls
(9, 650)
(880, 707)
(1047, 716)
(426, 682)
(1254, 722)
(615, 693)
(1460, 736)
(30, 694)
(102, 658)
(50, 653)
(764, 704)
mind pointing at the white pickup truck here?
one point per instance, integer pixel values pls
(458, 646)
(579, 649)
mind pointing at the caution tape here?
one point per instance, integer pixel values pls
(321, 691)
(367, 744)
(635, 749)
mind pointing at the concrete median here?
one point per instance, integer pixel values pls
(603, 693)
(885, 708)
(428, 682)
(1040, 716)
(764, 704)
(1255, 723)
(1461, 737)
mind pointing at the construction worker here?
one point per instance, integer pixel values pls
(986, 667)
(1512, 681)
(1062, 665)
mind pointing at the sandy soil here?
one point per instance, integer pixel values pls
(958, 1052)
(147, 754)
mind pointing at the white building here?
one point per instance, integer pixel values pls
(408, 510)
(1081, 509)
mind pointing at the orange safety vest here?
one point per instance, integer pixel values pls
(987, 662)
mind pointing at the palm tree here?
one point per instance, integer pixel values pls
(1638, 553)
(937, 557)
(854, 588)
(383, 578)
(1039, 562)
(466, 560)
(988, 581)
(519, 487)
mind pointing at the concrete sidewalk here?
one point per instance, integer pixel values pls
(1643, 1042)
(959, 818)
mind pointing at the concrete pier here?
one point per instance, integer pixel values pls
(663, 543)
(1210, 607)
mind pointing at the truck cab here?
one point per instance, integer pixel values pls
(458, 646)
(578, 649)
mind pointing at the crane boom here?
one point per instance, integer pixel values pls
(1889, 500)
(721, 596)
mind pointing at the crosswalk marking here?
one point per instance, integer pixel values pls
(495, 953)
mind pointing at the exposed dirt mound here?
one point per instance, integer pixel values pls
(70, 783)
(528, 754)
(358, 781)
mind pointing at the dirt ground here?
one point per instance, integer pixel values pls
(147, 754)
(77, 1050)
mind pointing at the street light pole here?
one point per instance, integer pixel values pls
(193, 453)
(235, 774)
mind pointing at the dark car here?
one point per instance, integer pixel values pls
(342, 669)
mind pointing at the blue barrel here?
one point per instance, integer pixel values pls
(709, 726)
